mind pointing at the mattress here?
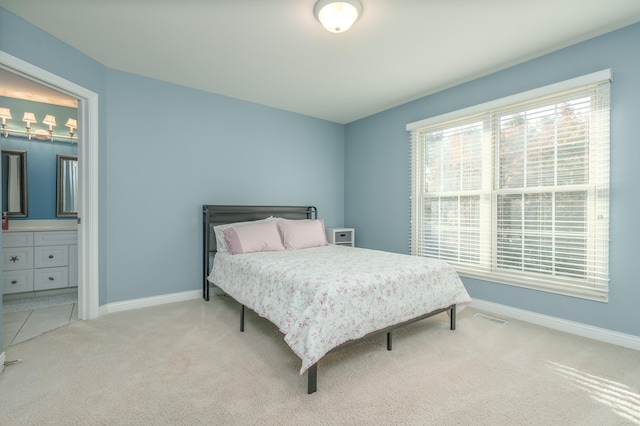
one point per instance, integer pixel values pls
(322, 297)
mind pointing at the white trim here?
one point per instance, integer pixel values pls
(88, 255)
(579, 329)
(146, 302)
(519, 97)
(3, 359)
(88, 190)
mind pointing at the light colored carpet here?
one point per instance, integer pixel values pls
(187, 364)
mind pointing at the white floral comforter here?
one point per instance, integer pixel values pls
(324, 296)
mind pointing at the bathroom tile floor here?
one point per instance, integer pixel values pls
(28, 317)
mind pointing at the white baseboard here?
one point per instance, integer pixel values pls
(579, 329)
(146, 302)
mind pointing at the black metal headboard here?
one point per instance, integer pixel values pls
(214, 215)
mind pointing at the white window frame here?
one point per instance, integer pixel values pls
(590, 289)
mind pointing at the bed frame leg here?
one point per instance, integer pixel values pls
(389, 341)
(205, 290)
(453, 317)
(242, 319)
(312, 379)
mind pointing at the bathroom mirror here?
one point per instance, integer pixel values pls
(67, 186)
(14, 183)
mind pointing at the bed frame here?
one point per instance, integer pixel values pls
(214, 215)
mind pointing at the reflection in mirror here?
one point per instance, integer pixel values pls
(14, 183)
(67, 186)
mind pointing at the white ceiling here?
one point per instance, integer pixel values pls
(275, 52)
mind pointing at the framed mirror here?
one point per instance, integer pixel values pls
(14, 183)
(67, 185)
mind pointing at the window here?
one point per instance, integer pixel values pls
(516, 191)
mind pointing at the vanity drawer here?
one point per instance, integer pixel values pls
(49, 256)
(48, 278)
(55, 238)
(18, 281)
(39, 260)
(17, 239)
(17, 258)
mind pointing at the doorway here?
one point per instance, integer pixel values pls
(88, 235)
(38, 295)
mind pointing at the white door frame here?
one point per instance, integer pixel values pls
(88, 227)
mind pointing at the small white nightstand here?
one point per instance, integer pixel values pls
(341, 236)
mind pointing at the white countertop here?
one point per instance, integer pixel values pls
(42, 225)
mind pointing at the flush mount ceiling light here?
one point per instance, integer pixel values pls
(337, 16)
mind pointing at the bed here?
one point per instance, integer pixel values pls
(275, 260)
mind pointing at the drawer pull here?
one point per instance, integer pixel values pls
(14, 258)
(14, 282)
(50, 256)
(51, 279)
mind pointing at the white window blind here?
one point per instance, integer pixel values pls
(517, 191)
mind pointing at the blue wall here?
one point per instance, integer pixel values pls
(377, 173)
(171, 149)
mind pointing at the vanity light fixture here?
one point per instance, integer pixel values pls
(40, 134)
(337, 16)
(4, 114)
(29, 118)
(72, 124)
(51, 121)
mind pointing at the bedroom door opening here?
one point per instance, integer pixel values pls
(29, 310)
(88, 238)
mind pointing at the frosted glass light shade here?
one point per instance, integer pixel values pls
(337, 16)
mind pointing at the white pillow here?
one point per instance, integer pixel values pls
(221, 243)
(305, 233)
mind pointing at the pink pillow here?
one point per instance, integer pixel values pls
(299, 234)
(251, 238)
(221, 243)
